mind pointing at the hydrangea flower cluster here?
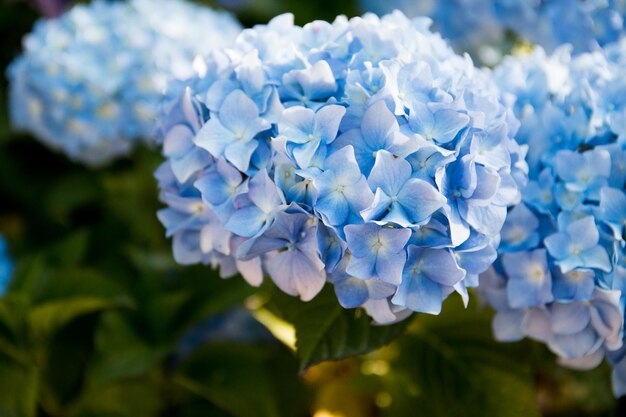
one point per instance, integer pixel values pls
(469, 25)
(586, 25)
(480, 25)
(362, 152)
(90, 82)
(6, 266)
(561, 274)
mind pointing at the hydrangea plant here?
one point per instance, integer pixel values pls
(361, 152)
(482, 26)
(561, 274)
(89, 83)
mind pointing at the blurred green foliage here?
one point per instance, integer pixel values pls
(93, 321)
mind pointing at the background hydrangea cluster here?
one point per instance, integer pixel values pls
(363, 152)
(561, 274)
(482, 26)
(89, 83)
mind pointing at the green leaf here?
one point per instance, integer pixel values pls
(28, 275)
(34, 279)
(131, 398)
(327, 331)
(13, 334)
(62, 360)
(71, 250)
(244, 380)
(209, 294)
(46, 318)
(450, 365)
(18, 389)
(232, 377)
(68, 193)
(120, 351)
(203, 409)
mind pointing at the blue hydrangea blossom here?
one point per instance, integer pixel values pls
(560, 274)
(361, 152)
(482, 27)
(89, 83)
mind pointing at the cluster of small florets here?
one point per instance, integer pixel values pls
(90, 82)
(586, 25)
(561, 272)
(469, 25)
(6, 266)
(362, 152)
(481, 25)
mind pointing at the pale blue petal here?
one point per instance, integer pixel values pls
(297, 124)
(327, 120)
(574, 285)
(530, 282)
(246, 221)
(447, 123)
(214, 137)
(183, 168)
(508, 325)
(486, 219)
(240, 115)
(393, 240)
(567, 163)
(360, 238)
(459, 229)
(487, 184)
(419, 294)
(389, 268)
(596, 257)
(599, 162)
(607, 317)
(558, 245)
(612, 203)
(239, 154)
(178, 141)
(584, 232)
(476, 262)
(420, 200)
(569, 318)
(576, 345)
(264, 193)
(377, 210)
(378, 123)
(330, 246)
(305, 153)
(334, 207)
(351, 292)
(440, 266)
(389, 173)
(318, 81)
(296, 274)
(186, 247)
(364, 268)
